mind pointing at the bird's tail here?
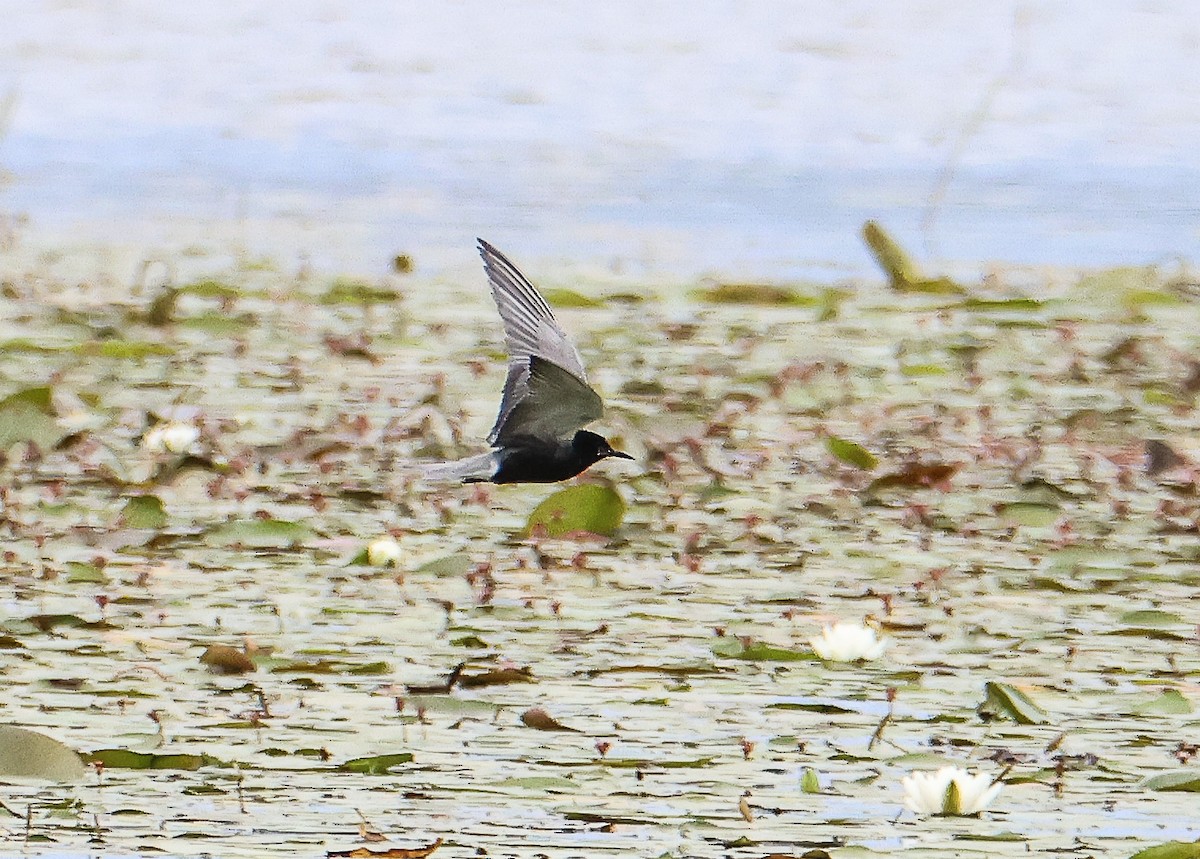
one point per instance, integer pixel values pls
(469, 470)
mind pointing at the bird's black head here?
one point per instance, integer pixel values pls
(592, 448)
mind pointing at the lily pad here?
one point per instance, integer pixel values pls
(1184, 780)
(569, 298)
(28, 416)
(129, 759)
(345, 291)
(260, 533)
(124, 350)
(28, 754)
(851, 453)
(1170, 850)
(1003, 701)
(731, 647)
(764, 294)
(1170, 703)
(144, 511)
(594, 508)
(375, 765)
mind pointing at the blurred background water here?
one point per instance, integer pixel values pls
(669, 137)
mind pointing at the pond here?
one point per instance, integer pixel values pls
(968, 474)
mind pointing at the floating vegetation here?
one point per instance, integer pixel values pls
(263, 630)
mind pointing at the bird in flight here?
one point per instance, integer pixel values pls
(539, 435)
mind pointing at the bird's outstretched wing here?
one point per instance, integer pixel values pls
(564, 401)
(556, 403)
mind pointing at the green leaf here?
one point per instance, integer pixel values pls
(810, 782)
(1031, 514)
(124, 350)
(989, 304)
(569, 298)
(935, 286)
(28, 416)
(38, 399)
(260, 533)
(377, 765)
(346, 291)
(896, 264)
(851, 453)
(1185, 780)
(144, 511)
(589, 507)
(28, 754)
(1151, 617)
(1170, 703)
(914, 371)
(732, 647)
(218, 324)
(1002, 701)
(131, 760)
(84, 573)
(762, 294)
(449, 566)
(210, 288)
(1170, 850)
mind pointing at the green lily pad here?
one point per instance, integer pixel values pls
(260, 533)
(28, 754)
(124, 350)
(144, 511)
(763, 294)
(1003, 701)
(1023, 305)
(569, 298)
(376, 765)
(594, 508)
(210, 288)
(346, 291)
(810, 781)
(1170, 850)
(851, 453)
(28, 416)
(1151, 617)
(131, 760)
(1031, 514)
(731, 647)
(1170, 703)
(1184, 780)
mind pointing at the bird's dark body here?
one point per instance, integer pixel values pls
(537, 437)
(529, 459)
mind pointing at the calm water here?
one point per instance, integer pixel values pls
(680, 138)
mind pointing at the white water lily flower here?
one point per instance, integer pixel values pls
(949, 791)
(383, 552)
(175, 437)
(847, 642)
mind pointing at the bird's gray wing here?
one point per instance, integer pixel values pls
(555, 405)
(530, 331)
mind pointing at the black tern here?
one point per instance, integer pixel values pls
(538, 436)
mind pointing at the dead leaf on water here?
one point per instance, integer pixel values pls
(223, 659)
(540, 720)
(917, 475)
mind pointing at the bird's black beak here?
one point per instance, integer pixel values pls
(619, 454)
